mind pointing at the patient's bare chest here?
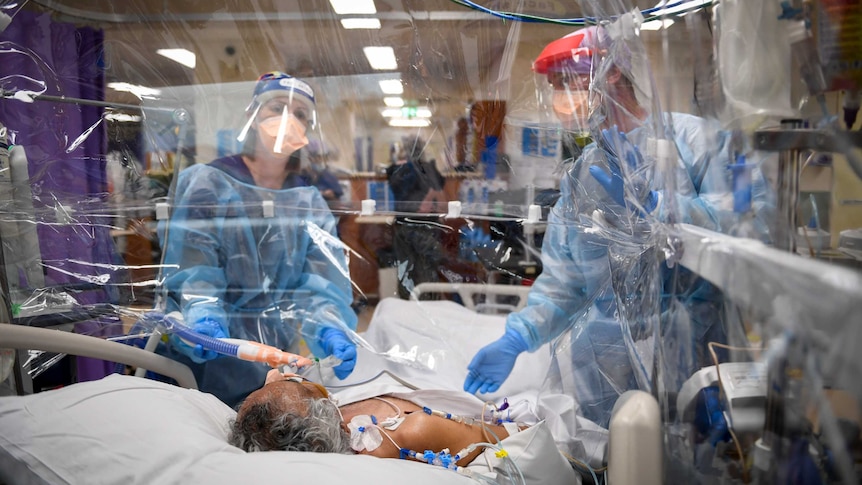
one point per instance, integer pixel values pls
(377, 408)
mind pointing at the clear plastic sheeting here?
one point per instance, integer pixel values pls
(545, 204)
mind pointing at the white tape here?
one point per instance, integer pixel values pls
(162, 211)
(368, 207)
(534, 213)
(268, 208)
(454, 209)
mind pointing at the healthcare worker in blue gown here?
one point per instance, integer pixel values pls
(251, 250)
(599, 249)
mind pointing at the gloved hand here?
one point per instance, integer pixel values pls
(614, 142)
(206, 326)
(493, 363)
(335, 342)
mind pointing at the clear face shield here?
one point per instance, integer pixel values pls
(282, 120)
(564, 99)
(568, 94)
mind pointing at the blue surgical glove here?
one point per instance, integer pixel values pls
(614, 142)
(205, 326)
(335, 342)
(494, 362)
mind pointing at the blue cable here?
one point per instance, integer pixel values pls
(574, 21)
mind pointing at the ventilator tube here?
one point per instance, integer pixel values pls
(241, 349)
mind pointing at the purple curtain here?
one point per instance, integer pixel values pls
(69, 61)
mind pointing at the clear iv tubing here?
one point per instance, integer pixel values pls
(323, 363)
(508, 462)
(238, 348)
(326, 362)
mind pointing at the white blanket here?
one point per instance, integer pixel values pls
(429, 344)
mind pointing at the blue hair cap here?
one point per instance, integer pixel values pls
(278, 84)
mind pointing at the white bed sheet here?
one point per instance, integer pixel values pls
(447, 335)
(128, 430)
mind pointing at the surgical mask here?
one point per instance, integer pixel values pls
(282, 135)
(572, 108)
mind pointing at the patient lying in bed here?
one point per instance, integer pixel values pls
(291, 413)
(114, 423)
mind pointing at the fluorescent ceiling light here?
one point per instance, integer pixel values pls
(409, 123)
(139, 91)
(393, 101)
(344, 7)
(183, 56)
(381, 58)
(360, 23)
(682, 7)
(391, 86)
(123, 117)
(406, 112)
(656, 24)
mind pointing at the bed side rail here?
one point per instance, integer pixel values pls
(22, 337)
(467, 292)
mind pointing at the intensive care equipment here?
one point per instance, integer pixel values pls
(628, 232)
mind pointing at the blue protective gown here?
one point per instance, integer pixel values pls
(266, 278)
(583, 263)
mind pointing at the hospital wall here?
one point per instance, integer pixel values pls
(507, 76)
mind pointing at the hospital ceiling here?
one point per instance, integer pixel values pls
(436, 42)
(446, 53)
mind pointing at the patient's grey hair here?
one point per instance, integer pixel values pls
(266, 427)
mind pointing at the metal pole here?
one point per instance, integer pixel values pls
(788, 193)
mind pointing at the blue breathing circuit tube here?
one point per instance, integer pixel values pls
(238, 348)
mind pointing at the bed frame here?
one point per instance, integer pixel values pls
(23, 337)
(469, 291)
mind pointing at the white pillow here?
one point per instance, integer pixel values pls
(127, 430)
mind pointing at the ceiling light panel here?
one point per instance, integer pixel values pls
(183, 56)
(381, 58)
(391, 86)
(393, 101)
(360, 23)
(406, 112)
(410, 123)
(347, 7)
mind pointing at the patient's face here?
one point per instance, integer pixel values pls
(285, 393)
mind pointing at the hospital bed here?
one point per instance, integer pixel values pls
(483, 298)
(128, 429)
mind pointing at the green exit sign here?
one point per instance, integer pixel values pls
(408, 111)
